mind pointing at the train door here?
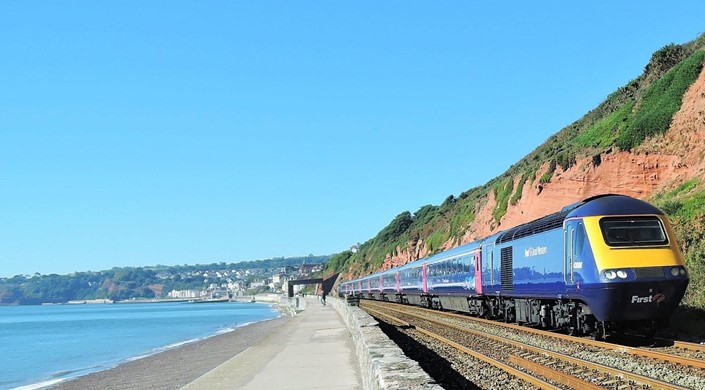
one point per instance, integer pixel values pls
(569, 233)
(487, 267)
(424, 278)
(478, 272)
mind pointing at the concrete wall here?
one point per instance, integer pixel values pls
(382, 364)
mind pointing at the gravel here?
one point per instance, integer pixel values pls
(675, 374)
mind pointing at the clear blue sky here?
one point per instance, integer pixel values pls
(179, 132)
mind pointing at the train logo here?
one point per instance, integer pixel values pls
(658, 298)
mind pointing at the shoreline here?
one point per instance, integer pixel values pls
(110, 356)
(172, 368)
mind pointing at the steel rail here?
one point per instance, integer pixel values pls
(552, 374)
(496, 363)
(684, 345)
(682, 360)
(653, 383)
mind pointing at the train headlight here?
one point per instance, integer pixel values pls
(683, 272)
(675, 271)
(609, 274)
(622, 274)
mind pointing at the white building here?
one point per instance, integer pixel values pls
(184, 294)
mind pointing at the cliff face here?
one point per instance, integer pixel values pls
(660, 163)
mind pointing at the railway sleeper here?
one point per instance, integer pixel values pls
(563, 315)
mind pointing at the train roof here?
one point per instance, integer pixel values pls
(608, 204)
(612, 204)
(469, 247)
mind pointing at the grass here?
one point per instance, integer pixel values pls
(519, 190)
(603, 133)
(685, 207)
(502, 191)
(661, 100)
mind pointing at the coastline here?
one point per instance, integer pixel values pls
(172, 368)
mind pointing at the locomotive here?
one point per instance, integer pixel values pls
(598, 266)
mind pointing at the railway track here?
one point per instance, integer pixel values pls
(560, 360)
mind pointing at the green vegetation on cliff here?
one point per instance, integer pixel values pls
(685, 206)
(660, 101)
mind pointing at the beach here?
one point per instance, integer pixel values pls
(175, 368)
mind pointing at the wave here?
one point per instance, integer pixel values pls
(40, 385)
(58, 377)
(60, 374)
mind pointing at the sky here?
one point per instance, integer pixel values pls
(137, 133)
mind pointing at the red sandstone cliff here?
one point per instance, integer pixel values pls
(660, 163)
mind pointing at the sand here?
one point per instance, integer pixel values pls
(177, 367)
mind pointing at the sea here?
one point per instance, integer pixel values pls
(44, 345)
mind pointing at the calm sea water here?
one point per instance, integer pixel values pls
(41, 345)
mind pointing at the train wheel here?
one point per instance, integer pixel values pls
(600, 331)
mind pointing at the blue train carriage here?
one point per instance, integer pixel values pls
(346, 289)
(410, 282)
(598, 266)
(343, 289)
(390, 284)
(451, 279)
(371, 286)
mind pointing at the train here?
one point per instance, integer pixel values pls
(601, 266)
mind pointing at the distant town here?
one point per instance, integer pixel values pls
(237, 283)
(183, 282)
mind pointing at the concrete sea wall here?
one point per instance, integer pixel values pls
(383, 365)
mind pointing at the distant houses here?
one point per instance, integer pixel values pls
(184, 294)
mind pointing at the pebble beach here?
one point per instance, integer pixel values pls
(177, 367)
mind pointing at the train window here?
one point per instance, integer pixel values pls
(580, 238)
(633, 231)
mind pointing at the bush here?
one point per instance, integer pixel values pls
(546, 177)
(671, 207)
(518, 191)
